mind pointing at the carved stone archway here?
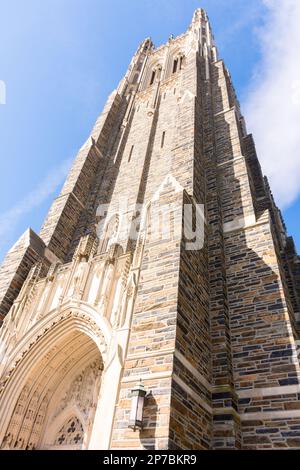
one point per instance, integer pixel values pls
(49, 397)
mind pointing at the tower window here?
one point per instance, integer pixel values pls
(175, 64)
(163, 139)
(130, 153)
(180, 63)
(152, 77)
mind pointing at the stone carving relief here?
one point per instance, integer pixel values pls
(71, 433)
(106, 286)
(29, 417)
(113, 280)
(83, 391)
(116, 300)
(75, 290)
(109, 235)
(100, 280)
(45, 289)
(16, 321)
(58, 290)
(96, 276)
(128, 300)
(86, 247)
(27, 421)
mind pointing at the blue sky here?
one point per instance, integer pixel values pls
(59, 61)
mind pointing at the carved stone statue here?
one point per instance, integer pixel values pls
(114, 235)
(106, 287)
(128, 300)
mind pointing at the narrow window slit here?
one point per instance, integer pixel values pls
(130, 153)
(152, 77)
(175, 63)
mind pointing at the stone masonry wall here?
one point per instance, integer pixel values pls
(260, 316)
(213, 330)
(152, 339)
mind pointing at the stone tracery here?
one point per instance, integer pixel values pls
(71, 433)
(93, 292)
(38, 402)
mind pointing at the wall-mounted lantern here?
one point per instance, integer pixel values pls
(138, 394)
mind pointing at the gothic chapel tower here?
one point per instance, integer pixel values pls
(89, 310)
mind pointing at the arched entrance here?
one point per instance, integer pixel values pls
(58, 384)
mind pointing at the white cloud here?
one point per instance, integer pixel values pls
(9, 219)
(273, 105)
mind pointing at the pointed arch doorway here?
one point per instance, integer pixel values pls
(58, 385)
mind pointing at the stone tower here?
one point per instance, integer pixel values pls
(114, 290)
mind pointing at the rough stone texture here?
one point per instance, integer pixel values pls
(213, 331)
(28, 251)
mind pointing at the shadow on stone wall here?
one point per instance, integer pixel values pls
(148, 434)
(254, 330)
